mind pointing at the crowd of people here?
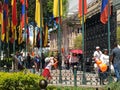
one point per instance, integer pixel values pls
(108, 59)
(71, 60)
(29, 61)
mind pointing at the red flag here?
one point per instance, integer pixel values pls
(80, 7)
(14, 13)
(104, 11)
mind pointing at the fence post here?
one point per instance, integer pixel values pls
(75, 75)
(5, 68)
(33, 68)
(43, 84)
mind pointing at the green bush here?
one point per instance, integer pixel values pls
(70, 88)
(19, 81)
(113, 86)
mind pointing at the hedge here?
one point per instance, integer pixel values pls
(19, 81)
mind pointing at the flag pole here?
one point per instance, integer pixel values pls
(109, 27)
(109, 45)
(59, 41)
(0, 35)
(0, 44)
(41, 35)
(25, 33)
(83, 27)
(8, 42)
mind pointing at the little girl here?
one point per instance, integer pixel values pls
(46, 71)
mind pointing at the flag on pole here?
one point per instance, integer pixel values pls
(45, 36)
(5, 21)
(23, 13)
(1, 13)
(37, 13)
(20, 36)
(14, 13)
(104, 11)
(26, 11)
(1, 22)
(14, 20)
(56, 8)
(80, 8)
(7, 30)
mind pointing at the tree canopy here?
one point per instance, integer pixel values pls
(78, 42)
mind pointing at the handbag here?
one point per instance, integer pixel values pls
(112, 69)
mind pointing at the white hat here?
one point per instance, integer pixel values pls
(97, 47)
(47, 59)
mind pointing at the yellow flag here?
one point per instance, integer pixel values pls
(37, 13)
(12, 2)
(20, 39)
(56, 8)
(46, 36)
(1, 15)
(7, 32)
(81, 19)
(1, 18)
(2, 23)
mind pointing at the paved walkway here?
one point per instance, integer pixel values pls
(68, 78)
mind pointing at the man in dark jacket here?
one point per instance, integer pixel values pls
(115, 59)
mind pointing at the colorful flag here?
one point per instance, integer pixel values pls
(80, 8)
(37, 13)
(104, 11)
(20, 36)
(23, 14)
(26, 11)
(1, 13)
(7, 30)
(56, 8)
(5, 21)
(14, 13)
(1, 22)
(45, 38)
(14, 20)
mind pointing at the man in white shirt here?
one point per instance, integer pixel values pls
(97, 53)
(96, 56)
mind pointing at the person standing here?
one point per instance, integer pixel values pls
(96, 56)
(28, 61)
(105, 60)
(115, 59)
(74, 60)
(97, 53)
(37, 63)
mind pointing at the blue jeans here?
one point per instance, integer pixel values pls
(117, 71)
